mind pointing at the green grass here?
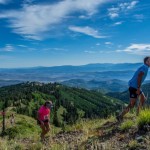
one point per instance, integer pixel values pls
(143, 118)
(24, 127)
(126, 125)
(26, 130)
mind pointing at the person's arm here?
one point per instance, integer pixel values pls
(139, 80)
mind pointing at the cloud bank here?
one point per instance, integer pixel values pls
(34, 21)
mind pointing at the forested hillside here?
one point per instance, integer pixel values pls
(70, 104)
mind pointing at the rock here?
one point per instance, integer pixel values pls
(139, 138)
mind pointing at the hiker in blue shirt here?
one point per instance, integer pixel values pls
(135, 88)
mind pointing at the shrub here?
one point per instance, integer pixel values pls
(22, 128)
(143, 120)
(37, 146)
(133, 144)
(12, 132)
(18, 147)
(126, 125)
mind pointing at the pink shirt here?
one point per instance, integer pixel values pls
(44, 113)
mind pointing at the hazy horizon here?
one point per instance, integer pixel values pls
(69, 65)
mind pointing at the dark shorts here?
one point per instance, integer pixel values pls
(45, 122)
(133, 93)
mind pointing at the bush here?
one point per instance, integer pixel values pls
(12, 132)
(18, 147)
(143, 120)
(37, 146)
(23, 128)
(126, 125)
(133, 145)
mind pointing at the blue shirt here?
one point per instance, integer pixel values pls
(134, 81)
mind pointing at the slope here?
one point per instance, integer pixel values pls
(132, 134)
(76, 103)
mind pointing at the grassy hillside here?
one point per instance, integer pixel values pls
(75, 103)
(133, 133)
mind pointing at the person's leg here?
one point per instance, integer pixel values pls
(141, 102)
(47, 127)
(133, 98)
(130, 106)
(43, 131)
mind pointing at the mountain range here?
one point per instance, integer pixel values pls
(90, 76)
(113, 85)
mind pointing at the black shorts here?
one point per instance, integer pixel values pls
(133, 93)
(45, 122)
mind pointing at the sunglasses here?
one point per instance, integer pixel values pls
(50, 106)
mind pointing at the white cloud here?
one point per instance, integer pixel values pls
(90, 52)
(84, 17)
(28, 1)
(115, 12)
(117, 23)
(139, 49)
(113, 15)
(34, 21)
(55, 49)
(87, 31)
(139, 17)
(7, 48)
(97, 44)
(24, 46)
(127, 6)
(108, 43)
(132, 4)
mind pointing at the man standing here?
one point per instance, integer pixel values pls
(135, 88)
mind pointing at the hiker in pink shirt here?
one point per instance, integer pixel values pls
(44, 118)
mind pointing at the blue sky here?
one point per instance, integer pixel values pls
(73, 32)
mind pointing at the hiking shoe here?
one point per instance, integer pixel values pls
(119, 118)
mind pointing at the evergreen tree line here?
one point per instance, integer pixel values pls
(26, 98)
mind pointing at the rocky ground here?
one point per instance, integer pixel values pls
(107, 137)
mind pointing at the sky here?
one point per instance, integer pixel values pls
(73, 32)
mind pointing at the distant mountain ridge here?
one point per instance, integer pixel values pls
(90, 72)
(82, 68)
(113, 85)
